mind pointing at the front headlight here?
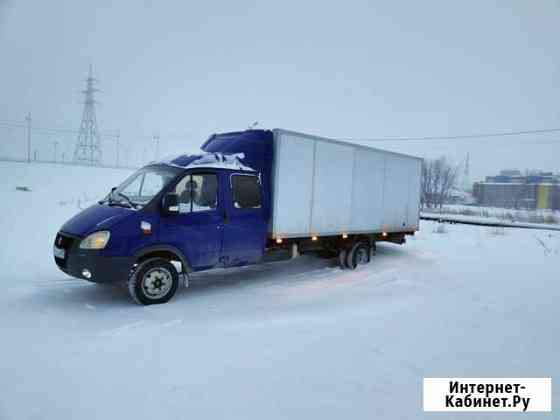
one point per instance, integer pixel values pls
(96, 240)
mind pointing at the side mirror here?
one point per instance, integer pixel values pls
(170, 204)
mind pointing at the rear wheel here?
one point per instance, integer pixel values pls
(359, 254)
(342, 257)
(154, 281)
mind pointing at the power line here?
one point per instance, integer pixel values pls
(464, 136)
(49, 130)
(46, 130)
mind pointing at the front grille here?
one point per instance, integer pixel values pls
(63, 241)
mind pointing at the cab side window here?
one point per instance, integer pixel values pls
(246, 191)
(197, 193)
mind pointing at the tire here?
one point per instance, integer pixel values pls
(342, 258)
(359, 254)
(154, 281)
(373, 250)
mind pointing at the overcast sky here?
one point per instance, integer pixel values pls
(346, 69)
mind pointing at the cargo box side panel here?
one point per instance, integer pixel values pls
(414, 194)
(292, 185)
(396, 186)
(332, 189)
(367, 191)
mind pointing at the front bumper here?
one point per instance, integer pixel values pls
(102, 269)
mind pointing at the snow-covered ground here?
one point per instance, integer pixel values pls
(295, 339)
(486, 220)
(539, 216)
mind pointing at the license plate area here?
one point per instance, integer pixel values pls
(59, 252)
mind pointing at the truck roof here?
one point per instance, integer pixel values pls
(223, 151)
(254, 133)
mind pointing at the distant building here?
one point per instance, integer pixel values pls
(511, 189)
(510, 172)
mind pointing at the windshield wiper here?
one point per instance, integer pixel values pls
(106, 199)
(112, 202)
(128, 200)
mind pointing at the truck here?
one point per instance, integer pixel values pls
(246, 196)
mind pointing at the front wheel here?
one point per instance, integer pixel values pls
(154, 281)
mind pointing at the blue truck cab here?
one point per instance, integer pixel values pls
(170, 218)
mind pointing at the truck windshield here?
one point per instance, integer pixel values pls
(139, 188)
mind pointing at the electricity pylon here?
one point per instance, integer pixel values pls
(88, 145)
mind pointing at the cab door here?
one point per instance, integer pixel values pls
(197, 229)
(245, 227)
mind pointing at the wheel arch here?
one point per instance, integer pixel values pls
(163, 251)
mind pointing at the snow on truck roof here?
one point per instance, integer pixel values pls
(208, 160)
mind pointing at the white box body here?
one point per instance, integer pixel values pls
(324, 187)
